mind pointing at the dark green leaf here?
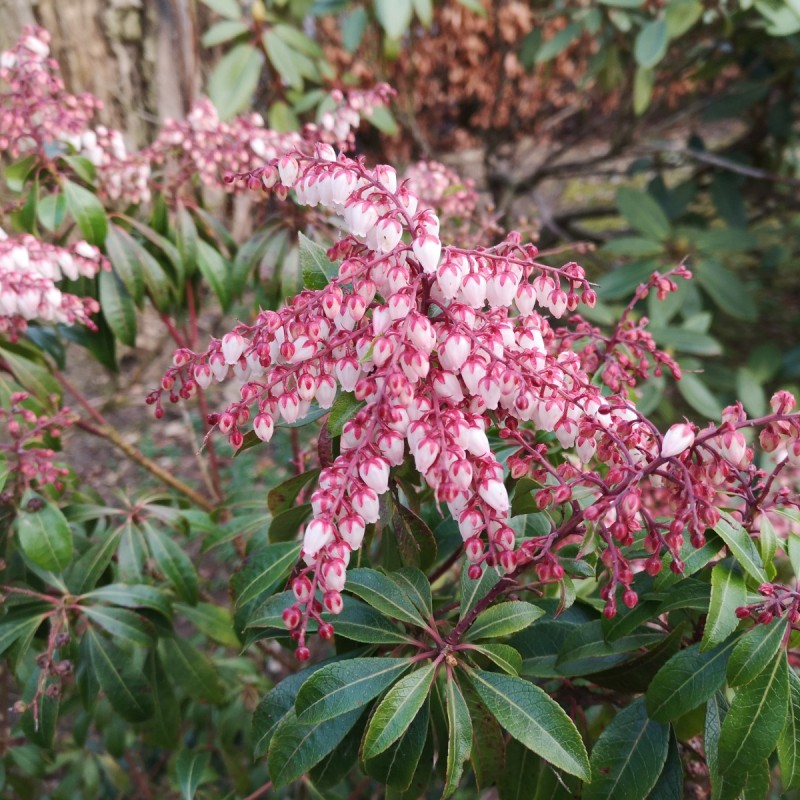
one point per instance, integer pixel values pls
(395, 712)
(345, 685)
(383, 593)
(122, 623)
(688, 679)
(117, 307)
(88, 569)
(534, 719)
(174, 564)
(670, 783)
(192, 670)
(728, 592)
(396, 765)
(216, 271)
(283, 496)
(212, 620)
(132, 596)
(45, 537)
(362, 623)
(344, 408)
(629, 756)
(124, 685)
(87, 211)
(474, 591)
(459, 735)
(18, 624)
(263, 570)
(755, 651)
(165, 723)
(189, 769)
(741, 546)
(124, 253)
(642, 211)
(504, 619)
(285, 524)
(415, 584)
(726, 289)
(789, 741)
(505, 656)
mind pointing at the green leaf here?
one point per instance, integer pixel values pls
(681, 16)
(340, 687)
(124, 685)
(383, 593)
(755, 651)
(173, 563)
(132, 596)
(424, 11)
(51, 211)
(18, 624)
(396, 765)
(728, 592)
(192, 670)
(628, 757)
(382, 118)
(216, 271)
(31, 374)
(415, 540)
(726, 289)
(651, 43)
(750, 391)
(269, 613)
(534, 719)
(122, 623)
(633, 246)
(642, 211)
(459, 736)
(670, 783)
(699, 396)
(212, 620)
(415, 584)
(362, 623)
(754, 722)
(687, 680)
(295, 746)
(189, 769)
(558, 43)
(87, 210)
(283, 58)
(789, 741)
(283, 496)
(123, 252)
(45, 537)
(262, 571)
(344, 408)
(474, 591)
(504, 619)
(284, 525)
(224, 31)
(225, 8)
(234, 80)
(394, 16)
(353, 26)
(318, 270)
(165, 723)
(16, 174)
(741, 546)
(117, 307)
(395, 712)
(186, 239)
(505, 656)
(687, 341)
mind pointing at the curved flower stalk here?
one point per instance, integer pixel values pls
(29, 272)
(441, 344)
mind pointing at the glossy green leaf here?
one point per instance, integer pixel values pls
(216, 271)
(789, 741)
(396, 711)
(344, 408)
(504, 619)
(123, 684)
(345, 685)
(726, 289)
(263, 570)
(295, 747)
(51, 211)
(189, 768)
(123, 252)
(117, 307)
(172, 561)
(459, 736)
(132, 596)
(87, 211)
(741, 546)
(534, 719)
(18, 624)
(212, 620)
(234, 79)
(16, 174)
(505, 656)
(473, 591)
(688, 679)
(164, 726)
(381, 592)
(395, 766)
(282, 497)
(755, 650)
(45, 537)
(728, 592)
(318, 270)
(122, 623)
(669, 785)
(362, 623)
(283, 58)
(87, 570)
(415, 584)
(754, 722)
(628, 757)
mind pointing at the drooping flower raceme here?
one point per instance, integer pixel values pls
(441, 345)
(29, 272)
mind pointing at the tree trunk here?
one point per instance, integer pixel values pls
(140, 57)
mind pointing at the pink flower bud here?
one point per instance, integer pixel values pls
(494, 493)
(427, 249)
(318, 534)
(351, 529)
(678, 438)
(263, 426)
(375, 473)
(232, 347)
(365, 504)
(334, 573)
(453, 352)
(333, 602)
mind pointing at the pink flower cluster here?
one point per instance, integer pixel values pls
(37, 112)
(29, 272)
(29, 463)
(442, 188)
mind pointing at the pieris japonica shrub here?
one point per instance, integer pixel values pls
(450, 554)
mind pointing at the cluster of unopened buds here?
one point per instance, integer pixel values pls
(441, 345)
(29, 272)
(30, 464)
(779, 602)
(37, 114)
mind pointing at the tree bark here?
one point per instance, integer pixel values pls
(140, 57)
